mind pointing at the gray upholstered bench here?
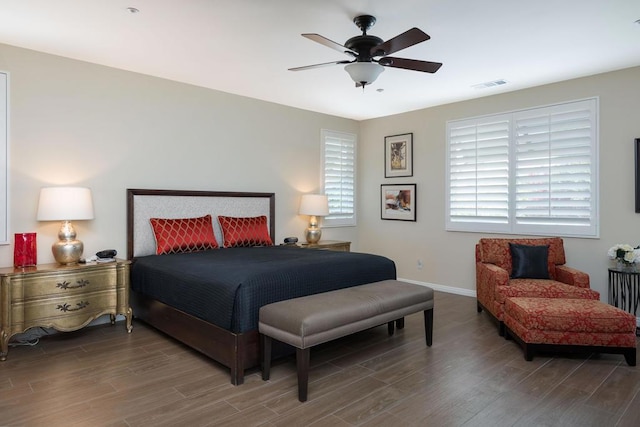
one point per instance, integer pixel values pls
(316, 319)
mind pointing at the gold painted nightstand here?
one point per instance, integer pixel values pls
(331, 245)
(62, 297)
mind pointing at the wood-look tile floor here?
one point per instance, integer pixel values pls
(102, 376)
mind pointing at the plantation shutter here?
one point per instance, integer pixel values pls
(525, 172)
(478, 173)
(555, 167)
(338, 166)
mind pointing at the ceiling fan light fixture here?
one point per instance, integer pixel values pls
(364, 73)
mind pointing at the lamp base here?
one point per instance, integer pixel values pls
(67, 251)
(312, 235)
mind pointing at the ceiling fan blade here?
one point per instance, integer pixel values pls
(325, 64)
(329, 43)
(410, 64)
(399, 42)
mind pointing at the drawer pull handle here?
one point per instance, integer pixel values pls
(81, 283)
(66, 307)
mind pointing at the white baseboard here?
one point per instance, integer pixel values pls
(443, 288)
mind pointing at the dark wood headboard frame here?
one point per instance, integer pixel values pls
(131, 193)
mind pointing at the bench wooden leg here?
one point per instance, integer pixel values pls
(302, 362)
(266, 356)
(428, 326)
(390, 327)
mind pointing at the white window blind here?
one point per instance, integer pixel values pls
(338, 181)
(526, 172)
(479, 171)
(554, 166)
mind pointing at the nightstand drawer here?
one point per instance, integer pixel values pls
(33, 286)
(66, 312)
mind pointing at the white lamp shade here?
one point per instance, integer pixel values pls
(364, 72)
(65, 204)
(314, 204)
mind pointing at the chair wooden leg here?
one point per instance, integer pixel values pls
(266, 356)
(428, 326)
(528, 352)
(501, 329)
(630, 357)
(302, 362)
(400, 323)
(390, 327)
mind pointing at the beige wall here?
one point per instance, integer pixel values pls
(74, 123)
(448, 256)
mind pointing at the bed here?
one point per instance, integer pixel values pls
(209, 299)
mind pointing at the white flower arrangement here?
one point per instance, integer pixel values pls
(624, 253)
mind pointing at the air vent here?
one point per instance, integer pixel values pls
(493, 83)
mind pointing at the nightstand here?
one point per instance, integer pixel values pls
(329, 245)
(63, 297)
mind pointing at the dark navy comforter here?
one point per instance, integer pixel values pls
(227, 287)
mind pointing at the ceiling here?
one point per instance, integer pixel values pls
(246, 46)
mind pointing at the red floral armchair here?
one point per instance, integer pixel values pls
(494, 283)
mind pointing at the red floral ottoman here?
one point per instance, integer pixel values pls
(570, 325)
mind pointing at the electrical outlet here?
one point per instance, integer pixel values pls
(420, 264)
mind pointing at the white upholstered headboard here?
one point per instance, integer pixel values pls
(145, 204)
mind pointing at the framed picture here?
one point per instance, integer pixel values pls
(637, 158)
(398, 155)
(398, 201)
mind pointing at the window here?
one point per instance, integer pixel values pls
(4, 133)
(339, 177)
(526, 172)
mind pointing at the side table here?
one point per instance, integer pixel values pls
(63, 297)
(624, 289)
(331, 245)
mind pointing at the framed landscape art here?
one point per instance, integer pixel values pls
(398, 155)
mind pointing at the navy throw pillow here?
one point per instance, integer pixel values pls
(529, 262)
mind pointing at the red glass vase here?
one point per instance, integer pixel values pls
(25, 251)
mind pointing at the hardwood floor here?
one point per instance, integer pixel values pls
(102, 376)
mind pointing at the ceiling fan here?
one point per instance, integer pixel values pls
(364, 68)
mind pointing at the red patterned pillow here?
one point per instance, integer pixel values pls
(183, 234)
(249, 231)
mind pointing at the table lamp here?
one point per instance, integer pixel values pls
(66, 204)
(314, 205)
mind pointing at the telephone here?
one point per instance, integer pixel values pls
(107, 253)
